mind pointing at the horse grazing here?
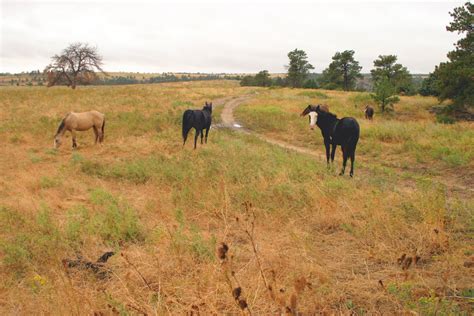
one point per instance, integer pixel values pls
(200, 120)
(344, 132)
(81, 122)
(369, 112)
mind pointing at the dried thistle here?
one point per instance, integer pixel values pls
(416, 259)
(407, 263)
(222, 251)
(237, 292)
(145, 281)
(231, 278)
(381, 284)
(243, 304)
(402, 258)
(249, 230)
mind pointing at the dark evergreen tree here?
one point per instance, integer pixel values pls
(342, 72)
(455, 78)
(386, 66)
(298, 69)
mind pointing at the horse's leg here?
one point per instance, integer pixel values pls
(207, 133)
(333, 152)
(326, 144)
(352, 161)
(344, 159)
(185, 135)
(196, 137)
(74, 143)
(96, 133)
(202, 136)
(102, 131)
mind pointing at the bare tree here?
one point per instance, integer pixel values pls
(75, 65)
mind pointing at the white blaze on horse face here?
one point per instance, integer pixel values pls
(312, 119)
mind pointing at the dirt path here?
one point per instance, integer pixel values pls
(228, 121)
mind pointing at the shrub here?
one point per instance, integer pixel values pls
(444, 119)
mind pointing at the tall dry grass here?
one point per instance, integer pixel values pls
(299, 238)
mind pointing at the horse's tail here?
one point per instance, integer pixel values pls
(354, 138)
(187, 118)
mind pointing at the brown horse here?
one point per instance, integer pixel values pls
(369, 112)
(81, 122)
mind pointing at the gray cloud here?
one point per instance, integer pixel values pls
(221, 36)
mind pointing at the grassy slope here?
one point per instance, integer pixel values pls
(408, 138)
(166, 208)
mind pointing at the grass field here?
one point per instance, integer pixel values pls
(322, 243)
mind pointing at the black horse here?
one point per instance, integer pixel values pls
(200, 120)
(344, 132)
(369, 112)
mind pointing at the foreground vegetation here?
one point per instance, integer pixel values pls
(323, 243)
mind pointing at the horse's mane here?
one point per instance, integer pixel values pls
(61, 126)
(328, 115)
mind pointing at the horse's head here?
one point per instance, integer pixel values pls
(208, 107)
(312, 111)
(57, 141)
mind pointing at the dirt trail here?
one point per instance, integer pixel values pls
(228, 121)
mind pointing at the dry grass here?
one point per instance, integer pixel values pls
(325, 244)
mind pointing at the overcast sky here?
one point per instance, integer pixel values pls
(225, 36)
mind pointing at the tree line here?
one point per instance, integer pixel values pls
(389, 77)
(165, 77)
(452, 80)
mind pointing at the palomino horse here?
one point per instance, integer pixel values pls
(81, 122)
(344, 132)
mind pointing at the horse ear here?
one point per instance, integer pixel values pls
(210, 104)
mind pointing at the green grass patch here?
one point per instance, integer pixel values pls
(314, 94)
(49, 182)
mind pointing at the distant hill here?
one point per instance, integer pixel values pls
(36, 78)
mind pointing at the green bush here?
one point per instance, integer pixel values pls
(116, 222)
(445, 119)
(28, 241)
